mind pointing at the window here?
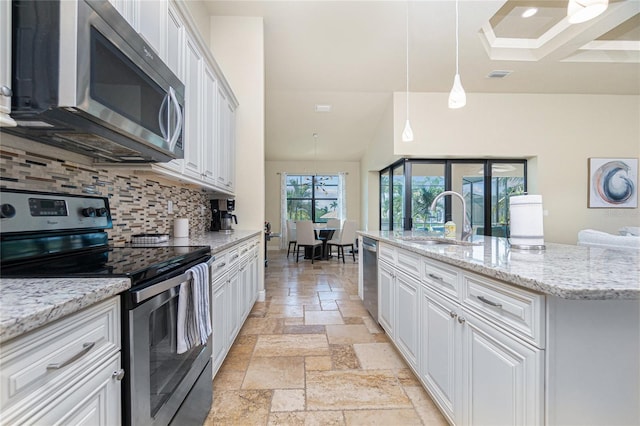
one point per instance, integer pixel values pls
(408, 188)
(312, 198)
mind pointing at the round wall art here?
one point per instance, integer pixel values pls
(613, 182)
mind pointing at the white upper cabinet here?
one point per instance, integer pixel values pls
(5, 64)
(175, 43)
(193, 97)
(152, 22)
(209, 122)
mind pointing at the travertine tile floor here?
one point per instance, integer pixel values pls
(312, 355)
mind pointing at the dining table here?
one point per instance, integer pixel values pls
(324, 235)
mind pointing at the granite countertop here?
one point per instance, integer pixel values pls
(26, 304)
(29, 303)
(566, 271)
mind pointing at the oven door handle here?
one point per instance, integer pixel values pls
(154, 290)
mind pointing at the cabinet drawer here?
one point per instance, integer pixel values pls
(38, 364)
(387, 253)
(515, 309)
(219, 266)
(409, 263)
(442, 277)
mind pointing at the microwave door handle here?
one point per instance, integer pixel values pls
(178, 112)
(164, 129)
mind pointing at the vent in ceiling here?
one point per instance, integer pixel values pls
(323, 108)
(499, 74)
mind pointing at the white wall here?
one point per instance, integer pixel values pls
(272, 186)
(237, 43)
(557, 133)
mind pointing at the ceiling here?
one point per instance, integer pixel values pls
(352, 55)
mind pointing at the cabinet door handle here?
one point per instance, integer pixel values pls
(118, 374)
(6, 91)
(453, 314)
(437, 278)
(489, 302)
(221, 265)
(461, 320)
(86, 347)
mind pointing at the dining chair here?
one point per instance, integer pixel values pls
(347, 239)
(291, 236)
(305, 237)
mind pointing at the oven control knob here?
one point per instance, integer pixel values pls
(101, 212)
(89, 212)
(7, 211)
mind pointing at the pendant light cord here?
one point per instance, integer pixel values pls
(457, 54)
(407, 40)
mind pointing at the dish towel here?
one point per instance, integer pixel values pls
(194, 321)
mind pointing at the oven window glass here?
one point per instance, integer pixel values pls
(167, 368)
(121, 86)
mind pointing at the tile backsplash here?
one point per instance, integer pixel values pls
(138, 202)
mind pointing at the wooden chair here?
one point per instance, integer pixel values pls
(347, 239)
(291, 236)
(305, 237)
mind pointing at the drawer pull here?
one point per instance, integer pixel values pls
(118, 374)
(221, 265)
(489, 302)
(437, 278)
(453, 314)
(86, 347)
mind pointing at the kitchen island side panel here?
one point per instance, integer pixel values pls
(593, 368)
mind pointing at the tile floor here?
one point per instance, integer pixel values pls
(312, 355)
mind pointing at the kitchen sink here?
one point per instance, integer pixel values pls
(429, 241)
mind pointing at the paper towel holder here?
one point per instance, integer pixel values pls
(523, 246)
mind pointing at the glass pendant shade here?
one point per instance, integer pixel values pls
(407, 133)
(580, 11)
(457, 97)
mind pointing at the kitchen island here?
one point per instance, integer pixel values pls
(504, 336)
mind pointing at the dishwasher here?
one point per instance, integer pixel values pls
(370, 276)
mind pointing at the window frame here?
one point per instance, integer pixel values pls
(313, 197)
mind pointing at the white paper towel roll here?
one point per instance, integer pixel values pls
(526, 227)
(180, 228)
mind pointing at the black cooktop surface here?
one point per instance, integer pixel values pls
(140, 264)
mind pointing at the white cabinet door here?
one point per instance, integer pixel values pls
(209, 140)
(234, 305)
(222, 149)
(152, 24)
(175, 43)
(94, 401)
(193, 97)
(219, 320)
(128, 10)
(440, 350)
(407, 307)
(386, 292)
(502, 377)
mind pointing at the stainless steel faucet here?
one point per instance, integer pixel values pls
(466, 227)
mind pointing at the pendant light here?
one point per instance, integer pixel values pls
(407, 133)
(580, 11)
(457, 97)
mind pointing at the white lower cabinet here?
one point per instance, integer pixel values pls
(501, 377)
(234, 291)
(67, 372)
(471, 340)
(386, 293)
(407, 317)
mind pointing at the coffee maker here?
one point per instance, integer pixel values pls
(222, 215)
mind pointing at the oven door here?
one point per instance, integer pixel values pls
(159, 378)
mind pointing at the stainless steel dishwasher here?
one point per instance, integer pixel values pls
(370, 276)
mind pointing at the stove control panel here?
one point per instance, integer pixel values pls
(30, 211)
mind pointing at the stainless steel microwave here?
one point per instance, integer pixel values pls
(85, 81)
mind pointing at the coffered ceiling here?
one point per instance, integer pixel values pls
(351, 55)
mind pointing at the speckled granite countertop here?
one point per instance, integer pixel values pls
(26, 304)
(566, 271)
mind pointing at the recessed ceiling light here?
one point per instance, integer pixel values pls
(530, 12)
(323, 108)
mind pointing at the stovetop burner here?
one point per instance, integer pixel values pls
(137, 263)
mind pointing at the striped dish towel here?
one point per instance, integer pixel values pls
(194, 321)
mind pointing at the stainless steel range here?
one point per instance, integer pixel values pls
(61, 235)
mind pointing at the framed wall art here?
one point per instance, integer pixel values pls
(613, 183)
